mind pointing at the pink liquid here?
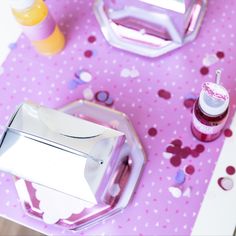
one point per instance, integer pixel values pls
(210, 121)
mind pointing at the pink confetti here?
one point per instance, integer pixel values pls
(230, 170)
(164, 94)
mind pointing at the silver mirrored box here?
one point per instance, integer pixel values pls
(73, 157)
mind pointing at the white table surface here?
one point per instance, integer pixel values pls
(9, 30)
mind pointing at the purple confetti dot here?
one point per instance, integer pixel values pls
(79, 81)
(72, 84)
(77, 74)
(109, 101)
(12, 45)
(180, 177)
(102, 96)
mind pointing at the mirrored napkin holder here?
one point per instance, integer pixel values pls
(150, 27)
(69, 169)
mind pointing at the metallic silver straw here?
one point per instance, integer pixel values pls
(218, 76)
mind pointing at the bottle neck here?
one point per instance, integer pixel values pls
(207, 113)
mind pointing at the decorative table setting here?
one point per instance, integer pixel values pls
(115, 83)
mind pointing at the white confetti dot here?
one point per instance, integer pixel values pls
(167, 155)
(85, 76)
(226, 183)
(88, 94)
(125, 73)
(209, 60)
(134, 73)
(176, 192)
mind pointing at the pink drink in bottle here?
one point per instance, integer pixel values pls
(210, 111)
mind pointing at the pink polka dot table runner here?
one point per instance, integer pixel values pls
(156, 94)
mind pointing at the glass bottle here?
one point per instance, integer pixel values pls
(210, 111)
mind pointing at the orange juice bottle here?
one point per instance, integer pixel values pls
(38, 25)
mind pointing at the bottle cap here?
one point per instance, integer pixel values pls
(21, 4)
(214, 98)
